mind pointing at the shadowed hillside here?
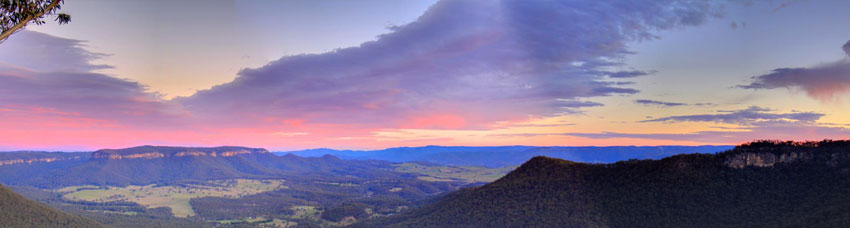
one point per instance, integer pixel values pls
(761, 184)
(18, 211)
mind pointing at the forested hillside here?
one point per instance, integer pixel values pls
(18, 211)
(761, 184)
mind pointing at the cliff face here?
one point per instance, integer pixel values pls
(771, 153)
(35, 160)
(29, 158)
(154, 152)
(742, 160)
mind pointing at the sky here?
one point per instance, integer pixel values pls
(346, 74)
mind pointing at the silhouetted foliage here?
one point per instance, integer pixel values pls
(16, 14)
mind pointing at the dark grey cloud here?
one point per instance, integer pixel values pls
(578, 104)
(658, 103)
(629, 74)
(575, 106)
(821, 82)
(483, 60)
(846, 48)
(750, 116)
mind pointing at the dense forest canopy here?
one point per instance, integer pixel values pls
(696, 190)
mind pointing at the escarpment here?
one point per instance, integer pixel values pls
(154, 152)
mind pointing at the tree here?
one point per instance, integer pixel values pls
(16, 14)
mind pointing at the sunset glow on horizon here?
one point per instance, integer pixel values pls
(379, 74)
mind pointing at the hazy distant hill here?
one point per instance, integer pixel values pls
(154, 164)
(17, 211)
(762, 184)
(499, 156)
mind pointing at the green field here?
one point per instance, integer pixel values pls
(279, 223)
(454, 173)
(174, 197)
(260, 222)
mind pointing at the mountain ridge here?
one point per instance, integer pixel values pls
(157, 164)
(501, 156)
(692, 190)
(150, 152)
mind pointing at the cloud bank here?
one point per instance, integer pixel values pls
(752, 123)
(476, 61)
(823, 82)
(46, 53)
(779, 132)
(47, 76)
(749, 116)
(461, 65)
(658, 103)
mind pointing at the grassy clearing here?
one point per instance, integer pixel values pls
(305, 212)
(259, 222)
(174, 197)
(116, 212)
(279, 224)
(337, 184)
(454, 173)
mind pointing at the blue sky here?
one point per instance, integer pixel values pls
(372, 74)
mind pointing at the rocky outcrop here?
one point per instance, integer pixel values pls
(35, 160)
(193, 154)
(234, 153)
(154, 152)
(764, 159)
(127, 156)
(213, 153)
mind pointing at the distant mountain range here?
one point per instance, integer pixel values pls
(155, 164)
(760, 184)
(343, 188)
(18, 211)
(500, 156)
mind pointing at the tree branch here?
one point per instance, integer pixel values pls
(23, 23)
